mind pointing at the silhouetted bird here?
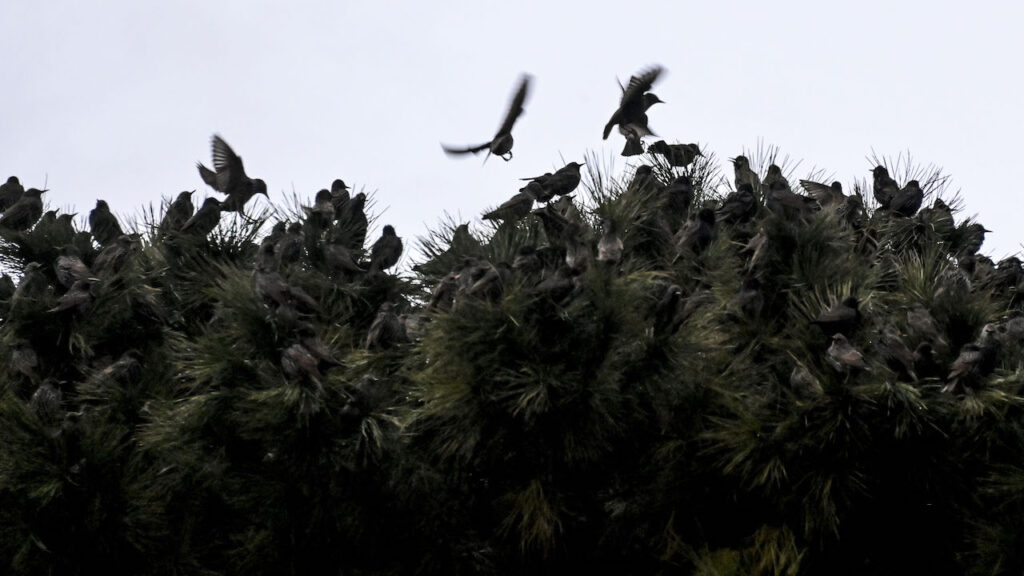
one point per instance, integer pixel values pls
(10, 193)
(609, 248)
(385, 251)
(697, 234)
(631, 115)
(47, 403)
(64, 228)
(527, 262)
(321, 214)
(112, 259)
(678, 155)
(339, 197)
(7, 289)
(78, 297)
(804, 384)
(843, 356)
(743, 174)
(352, 225)
(907, 200)
(885, 188)
(178, 213)
(25, 212)
(338, 258)
(842, 317)
(739, 206)
(501, 144)
(228, 177)
(316, 347)
(24, 359)
(289, 248)
(896, 354)
(273, 289)
(297, 361)
(827, 196)
(556, 286)
(922, 325)
(204, 220)
(444, 293)
(104, 226)
(975, 361)
(678, 197)
(385, 331)
(32, 285)
(644, 180)
(69, 266)
(513, 209)
(782, 201)
(561, 183)
(491, 283)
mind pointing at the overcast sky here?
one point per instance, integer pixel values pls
(119, 99)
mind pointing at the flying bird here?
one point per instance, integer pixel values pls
(228, 177)
(631, 115)
(501, 144)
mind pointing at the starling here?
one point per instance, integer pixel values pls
(852, 210)
(273, 289)
(744, 175)
(896, 354)
(739, 206)
(749, 301)
(1008, 273)
(104, 226)
(527, 262)
(10, 193)
(513, 209)
(783, 202)
(289, 248)
(297, 361)
(444, 293)
(644, 180)
(804, 384)
(677, 155)
(925, 364)
(386, 251)
(78, 297)
(907, 200)
(69, 266)
(775, 175)
(557, 286)
(64, 227)
(33, 284)
(339, 197)
(843, 356)
(971, 237)
(316, 347)
(112, 259)
(25, 212)
(885, 188)
(7, 288)
(609, 248)
(490, 284)
(321, 214)
(697, 234)
(678, 198)
(46, 403)
(228, 177)
(339, 259)
(827, 196)
(667, 319)
(922, 325)
(501, 144)
(631, 115)
(757, 248)
(564, 181)
(386, 331)
(842, 317)
(24, 359)
(975, 361)
(938, 218)
(204, 220)
(178, 213)
(352, 224)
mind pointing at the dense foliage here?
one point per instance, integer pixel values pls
(641, 376)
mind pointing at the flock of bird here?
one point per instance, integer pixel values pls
(335, 226)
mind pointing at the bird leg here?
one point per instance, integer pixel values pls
(509, 156)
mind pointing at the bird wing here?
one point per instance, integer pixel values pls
(474, 149)
(640, 84)
(820, 192)
(516, 107)
(227, 164)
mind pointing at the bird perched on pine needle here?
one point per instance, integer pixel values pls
(609, 247)
(697, 234)
(843, 356)
(10, 192)
(564, 181)
(204, 220)
(907, 200)
(631, 115)
(677, 155)
(386, 330)
(842, 317)
(739, 206)
(513, 209)
(178, 213)
(69, 266)
(743, 174)
(501, 144)
(24, 213)
(103, 224)
(386, 251)
(885, 188)
(228, 177)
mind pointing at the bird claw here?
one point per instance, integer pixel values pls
(509, 156)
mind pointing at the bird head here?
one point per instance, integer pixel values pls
(211, 202)
(880, 171)
(13, 180)
(740, 162)
(696, 149)
(259, 187)
(650, 99)
(706, 215)
(774, 170)
(324, 195)
(389, 230)
(295, 228)
(338, 185)
(185, 195)
(102, 205)
(660, 147)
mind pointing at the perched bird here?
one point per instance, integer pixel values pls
(842, 317)
(297, 361)
(678, 198)
(513, 209)
(443, 295)
(178, 213)
(24, 213)
(316, 347)
(339, 197)
(501, 144)
(826, 196)
(804, 384)
(749, 301)
(609, 247)
(103, 224)
(743, 174)
(69, 266)
(112, 259)
(739, 206)
(47, 404)
(780, 200)
(490, 284)
(64, 228)
(10, 193)
(204, 220)
(273, 289)
(922, 325)
(697, 234)
(277, 232)
(321, 214)
(667, 319)
(644, 180)
(289, 248)
(631, 115)
(24, 359)
(527, 262)
(228, 177)
(925, 364)
(907, 200)
(843, 356)
(7, 288)
(386, 251)
(564, 181)
(885, 188)
(340, 259)
(352, 224)
(975, 361)
(386, 331)
(896, 354)
(556, 286)
(774, 175)
(757, 248)
(78, 297)
(33, 284)
(677, 155)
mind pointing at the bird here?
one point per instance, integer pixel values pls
(288, 249)
(7, 289)
(609, 247)
(564, 181)
(386, 251)
(922, 325)
(527, 262)
(69, 266)
(907, 200)
(352, 224)
(321, 214)
(273, 289)
(178, 213)
(297, 361)
(501, 144)
(386, 331)
(843, 356)
(890, 346)
(826, 195)
(677, 155)
(666, 312)
(339, 196)
(782, 201)
(743, 174)
(24, 213)
(739, 206)
(697, 234)
(631, 115)
(975, 361)
(842, 317)
(10, 192)
(513, 209)
(804, 384)
(925, 364)
(33, 283)
(78, 297)
(228, 177)
(340, 259)
(103, 224)
(644, 180)
(204, 220)
(47, 404)
(678, 198)
(443, 294)
(112, 259)
(749, 301)
(885, 188)
(757, 247)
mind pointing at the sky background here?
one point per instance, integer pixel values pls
(118, 100)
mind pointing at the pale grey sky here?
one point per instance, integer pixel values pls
(119, 99)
